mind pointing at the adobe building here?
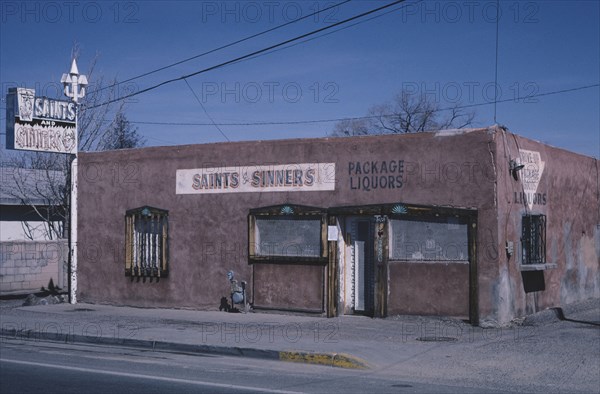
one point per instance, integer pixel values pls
(478, 224)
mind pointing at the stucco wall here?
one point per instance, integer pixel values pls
(429, 289)
(208, 233)
(568, 194)
(285, 286)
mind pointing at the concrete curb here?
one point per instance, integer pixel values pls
(339, 360)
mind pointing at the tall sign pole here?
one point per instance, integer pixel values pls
(74, 88)
(49, 125)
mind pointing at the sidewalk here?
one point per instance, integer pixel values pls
(403, 345)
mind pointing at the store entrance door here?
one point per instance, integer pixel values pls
(361, 234)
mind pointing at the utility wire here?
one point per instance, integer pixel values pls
(496, 67)
(250, 54)
(358, 117)
(222, 47)
(331, 32)
(364, 117)
(326, 34)
(204, 109)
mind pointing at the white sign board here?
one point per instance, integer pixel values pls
(332, 233)
(531, 174)
(39, 123)
(302, 177)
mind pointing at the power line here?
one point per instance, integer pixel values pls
(496, 66)
(262, 123)
(294, 122)
(222, 47)
(205, 111)
(329, 33)
(250, 54)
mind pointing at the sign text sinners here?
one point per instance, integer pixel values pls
(39, 123)
(257, 178)
(373, 175)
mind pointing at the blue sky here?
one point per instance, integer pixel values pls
(443, 49)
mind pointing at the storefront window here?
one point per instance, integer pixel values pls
(288, 237)
(429, 239)
(287, 234)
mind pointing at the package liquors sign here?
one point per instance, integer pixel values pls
(257, 178)
(39, 123)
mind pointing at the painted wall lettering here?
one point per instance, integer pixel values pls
(378, 174)
(530, 199)
(263, 178)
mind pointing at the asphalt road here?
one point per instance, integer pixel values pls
(46, 367)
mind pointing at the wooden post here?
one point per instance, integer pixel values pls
(332, 273)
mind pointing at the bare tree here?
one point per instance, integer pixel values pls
(42, 189)
(41, 179)
(351, 127)
(121, 134)
(406, 113)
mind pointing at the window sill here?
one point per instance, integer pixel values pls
(288, 260)
(537, 267)
(416, 261)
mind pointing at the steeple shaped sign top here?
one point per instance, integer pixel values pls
(74, 83)
(74, 69)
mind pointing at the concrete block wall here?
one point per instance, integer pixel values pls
(29, 265)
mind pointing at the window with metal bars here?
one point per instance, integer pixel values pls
(533, 239)
(146, 235)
